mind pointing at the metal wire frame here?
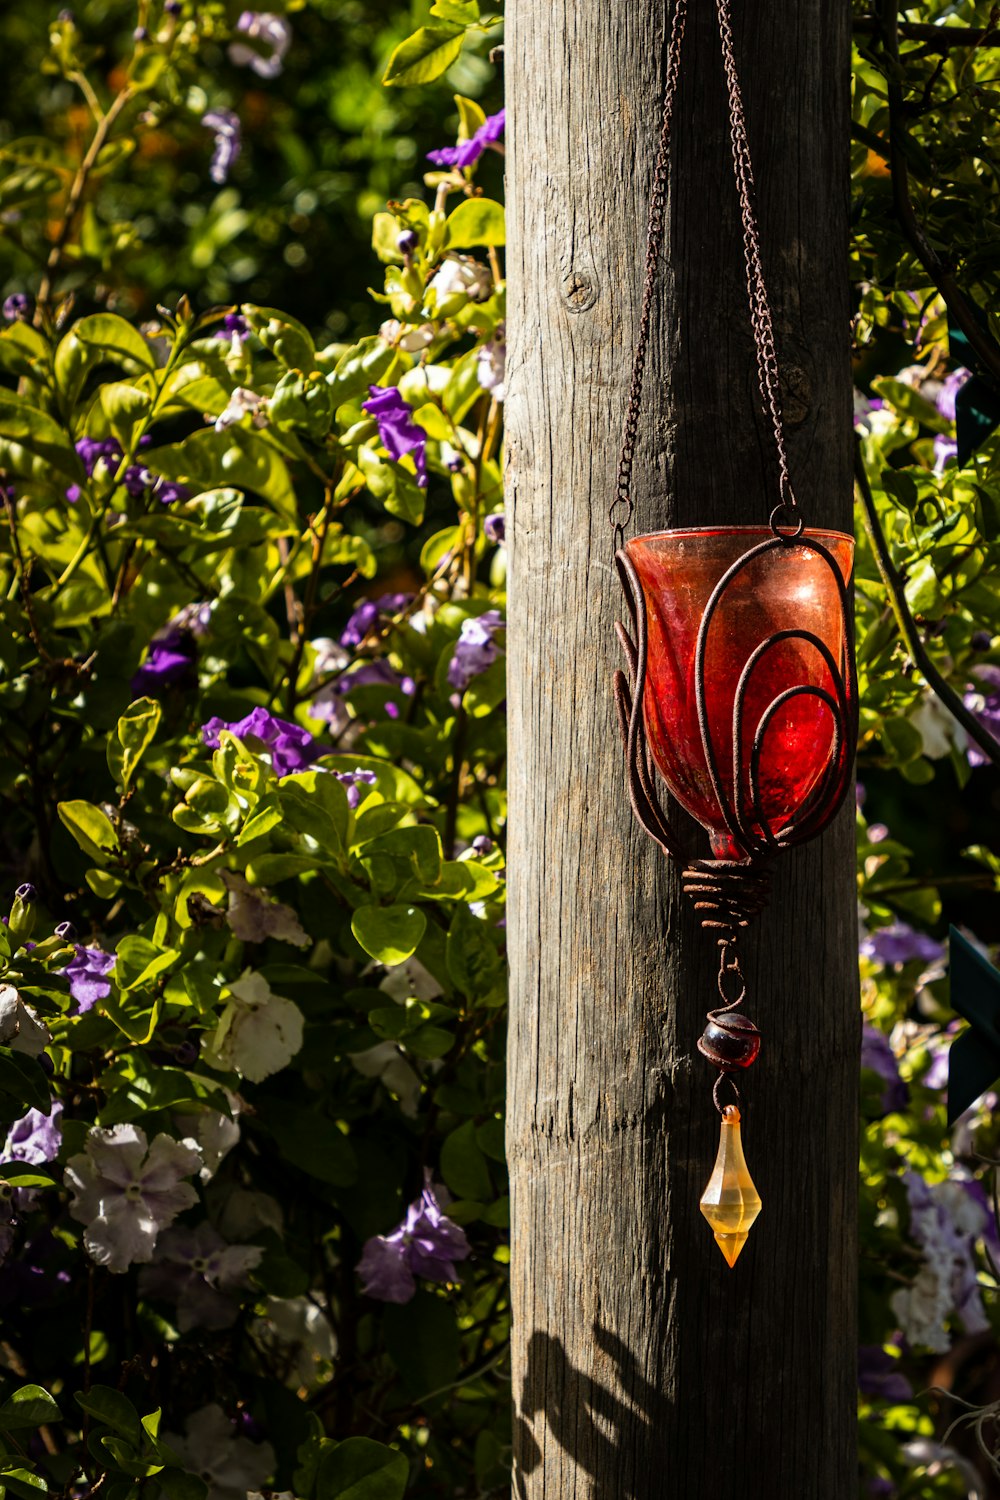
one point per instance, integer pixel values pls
(743, 815)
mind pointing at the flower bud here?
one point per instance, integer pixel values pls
(66, 931)
(407, 242)
(22, 914)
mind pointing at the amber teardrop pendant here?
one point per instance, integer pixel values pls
(730, 1202)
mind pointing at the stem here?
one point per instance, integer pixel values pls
(908, 626)
(76, 192)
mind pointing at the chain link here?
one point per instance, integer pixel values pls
(785, 520)
(620, 512)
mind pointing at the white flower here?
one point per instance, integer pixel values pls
(229, 1464)
(254, 917)
(386, 1063)
(20, 1028)
(491, 365)
(459, 279)
(215, 1134)
(296, 1333)
(409, 336)
(125, 1196)
(921, 1310)
(258, 1033)
(410, 980)
(243, 403)
(939, 732)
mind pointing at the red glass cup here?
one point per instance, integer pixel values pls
(750, 698)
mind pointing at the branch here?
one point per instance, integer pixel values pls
(908, 626)
(937, 38)
(985, 348)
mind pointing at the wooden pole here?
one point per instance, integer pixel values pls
(643, 1367)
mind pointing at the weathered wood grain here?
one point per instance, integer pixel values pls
(644, 1369)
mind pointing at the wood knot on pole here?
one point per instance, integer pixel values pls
(579, 291)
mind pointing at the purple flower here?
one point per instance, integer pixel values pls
(986, 707)
(495, 527)
(93, 450)
(950, 388)
(376, 674)
(198, 1271)
(878, 1056)
(367, 615)
(467, 153)
(354, 780)
(35, 1138)
(290, 747)
(396, 429)
(86, 972)
(226, 127)
(261, 26)
(17, 307)
(879, 1375)
(482, 844)
(234, 327)
(427, 1243)
(168, 490)
(475, 649)
(945, 450)
(170, 660)
(901, 944)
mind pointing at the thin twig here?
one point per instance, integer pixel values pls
(908, 626)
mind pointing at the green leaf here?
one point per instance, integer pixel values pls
(24, 1482)
(239, 456)
(362, 365)
(473, 962)
(389, 933)
(146, 69)
(113, 1409)
(26, 431)
(425, 55)
(31, 1406)
(125, 408)
(456, 12)
(22, 1082)
(91, 828)
(177, 1485)
(423, 1342)
(311, 1142)
(101, 338)
(463, 1165)
(476, 221)
(135, 733)
(361, 1469)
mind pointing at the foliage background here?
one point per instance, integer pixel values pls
(136, 614)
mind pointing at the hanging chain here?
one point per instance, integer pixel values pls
(786, 513)
(620, 512)
(786, 519)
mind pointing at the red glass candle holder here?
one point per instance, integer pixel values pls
(749, 699)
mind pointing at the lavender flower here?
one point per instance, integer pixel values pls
(17, 307)
(944, 1222)
(87, 973)
(125, 1194)
(878, 1056)
(367, 614)
(427, 1243)
(167, 491)
(225, 125)
(288, 746)
(475, 649)
(397, 431)
(467, 153)
(495, 528)
(171, 659)
(354, 780)
(262, 26)
(879, 1375)
(948, 393)
(901, 944)
(198, 1272)
(212, 1448)
(35, 1138)
(984, 701)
